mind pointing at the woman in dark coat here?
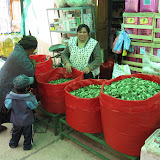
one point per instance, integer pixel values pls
(18, 62)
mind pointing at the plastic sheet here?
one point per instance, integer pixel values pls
(127, 124)
(45, 64)
(52, 96)
(83, 114)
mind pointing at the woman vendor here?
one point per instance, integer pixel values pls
(83, 53)
(18, 62)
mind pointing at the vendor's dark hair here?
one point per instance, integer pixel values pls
(83, 26)
(28, 42)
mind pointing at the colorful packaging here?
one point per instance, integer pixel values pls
(131, 5)
(158, 26)
(149, 5)
(131, 20)
(156, 52)
(145, 21)
(142, 50)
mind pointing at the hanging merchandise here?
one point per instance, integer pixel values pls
(52, 96)
(128, 123)
(149, 5)
(84, 115)
(131, 5)
(79, 3)
(122, 39)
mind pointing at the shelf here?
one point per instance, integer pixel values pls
(70, 25)
(71, 8)
(118, 0)
(116, 17)
(71, 32)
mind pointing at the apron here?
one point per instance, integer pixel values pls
(79, 57)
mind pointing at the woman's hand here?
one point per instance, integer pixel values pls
(68, 67)
(86, 70)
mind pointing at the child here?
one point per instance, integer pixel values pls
(22, 105)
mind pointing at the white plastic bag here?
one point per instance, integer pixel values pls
(79, 3)
(119, 70)
(148, 64)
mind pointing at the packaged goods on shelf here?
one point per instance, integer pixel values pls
(149, 5)
(131, 20)
(145, 21)
(145, 26)
(141, 49)
(131, 5)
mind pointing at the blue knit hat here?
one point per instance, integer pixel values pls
(22, 81)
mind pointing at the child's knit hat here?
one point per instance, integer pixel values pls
(22, 81)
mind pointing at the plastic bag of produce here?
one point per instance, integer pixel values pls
(128, 123)
(83, 114)
(149, 66)
(44, 63)
(52, 95)
(119, 70)
(79, 3)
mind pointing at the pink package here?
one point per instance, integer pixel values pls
(158, 26)
(131, 20)
(149, 5)
(156, 52)
(131, 5)
(145, 21)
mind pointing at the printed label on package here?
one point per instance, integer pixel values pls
(142, 50)
(143, 20)
(131, 20)
(158, 52)
(147, 2)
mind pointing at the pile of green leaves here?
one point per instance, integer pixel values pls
(61, 80)
(132, 89)
(90, 91)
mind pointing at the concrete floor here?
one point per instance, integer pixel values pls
(47, 146)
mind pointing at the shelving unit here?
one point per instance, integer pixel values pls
(81, 19)
(68, 132)
(142, 41)
(114, 21)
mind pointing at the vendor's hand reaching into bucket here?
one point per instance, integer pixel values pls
(86, 70)
(68, 67)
